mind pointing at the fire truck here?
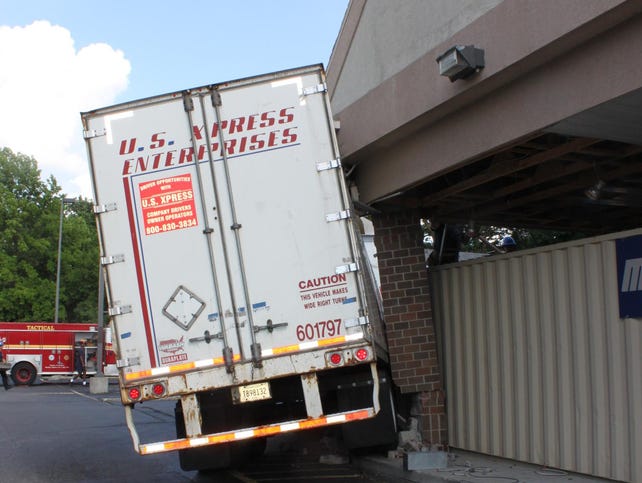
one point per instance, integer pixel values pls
(46, 350)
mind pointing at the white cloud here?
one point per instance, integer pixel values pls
(44, 85)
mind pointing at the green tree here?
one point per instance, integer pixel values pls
(29, 225)
(523, 238)
(79, 263)
(482, 239)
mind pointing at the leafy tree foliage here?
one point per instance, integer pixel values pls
(487, 239)
(29, 226)
(485, 236)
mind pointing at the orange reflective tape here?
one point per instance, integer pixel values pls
(260, 431)
(268, 431)
(313, 423)
(355, 415)
(178, 444)
(221, 438)
(137, 375)
(286, 348)
(185, 366)
(312, 344)
(332, 341)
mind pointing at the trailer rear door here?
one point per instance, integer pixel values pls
(224, 223)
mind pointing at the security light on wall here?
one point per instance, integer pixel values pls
(460, 61)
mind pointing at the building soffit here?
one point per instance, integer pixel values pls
(389, 157)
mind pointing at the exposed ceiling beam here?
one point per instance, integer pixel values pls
(506, 168)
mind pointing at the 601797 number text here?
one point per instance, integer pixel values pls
(318, 330)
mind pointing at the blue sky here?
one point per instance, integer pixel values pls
(92, 54)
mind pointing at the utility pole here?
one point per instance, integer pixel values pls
(101, 320)
(63, 201)
(99, 384)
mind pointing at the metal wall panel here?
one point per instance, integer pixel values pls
(538, 365)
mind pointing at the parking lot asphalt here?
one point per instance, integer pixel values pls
(62, 433)
(58, 432)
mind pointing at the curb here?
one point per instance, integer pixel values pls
(390, 470)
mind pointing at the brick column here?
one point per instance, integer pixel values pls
(408, 316)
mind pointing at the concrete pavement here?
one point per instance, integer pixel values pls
(468, 467)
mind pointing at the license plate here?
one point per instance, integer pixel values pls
(253, 392)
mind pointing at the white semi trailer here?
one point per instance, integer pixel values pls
(234, 268)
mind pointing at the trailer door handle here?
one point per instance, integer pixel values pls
(207, 337)
(270, 326)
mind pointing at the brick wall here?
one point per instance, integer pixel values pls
(408, 317)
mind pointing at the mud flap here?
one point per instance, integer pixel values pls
(215, 457)
(207, 457)
(380, 431)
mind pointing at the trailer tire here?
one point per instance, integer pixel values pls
(23, 374)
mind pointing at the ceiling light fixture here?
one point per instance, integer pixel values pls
(595, 192)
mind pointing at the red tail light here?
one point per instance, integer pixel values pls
(361, 354)
(158, 389)
(335, 358)
(134, 394)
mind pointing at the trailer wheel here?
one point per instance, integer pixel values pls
(23, 374)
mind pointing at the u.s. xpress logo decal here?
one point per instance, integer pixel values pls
(629, 274)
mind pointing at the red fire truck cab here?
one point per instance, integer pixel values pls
(45, 349)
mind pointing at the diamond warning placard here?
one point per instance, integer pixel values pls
(168, 204)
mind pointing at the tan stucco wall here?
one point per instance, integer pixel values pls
(545, 60)
(393, 34)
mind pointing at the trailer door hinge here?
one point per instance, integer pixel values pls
(94, 133)
(340, 215)
(112, 259)
(216, 98)
(351, 267)
(120, 309)
(98, 209)
(356, 322)
(188, 102)
(307, 91)
(332, 164)
(130, 361)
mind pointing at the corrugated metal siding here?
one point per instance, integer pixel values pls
(538, 365)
